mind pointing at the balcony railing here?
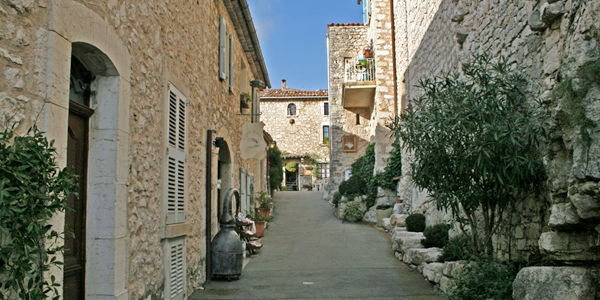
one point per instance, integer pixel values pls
(359, 69)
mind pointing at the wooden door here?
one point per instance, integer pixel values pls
(75, 217)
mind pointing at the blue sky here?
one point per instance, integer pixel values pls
(292, 37)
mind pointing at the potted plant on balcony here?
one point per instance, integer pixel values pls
(265, 203)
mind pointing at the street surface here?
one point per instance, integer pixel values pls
(309, 254)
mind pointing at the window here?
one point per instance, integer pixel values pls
(175, 269)
(323, 170)
(176, 157)
(291, 109)
(357, 119)
(222, 49)
(366, 11)
(325, 132)
(326, 108)
(230, 63)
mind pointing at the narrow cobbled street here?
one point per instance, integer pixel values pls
(309, 254)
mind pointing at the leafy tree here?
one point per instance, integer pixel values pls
(32, 190)
(275, 168)
(475, 143)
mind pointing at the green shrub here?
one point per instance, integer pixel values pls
(337, 197)
(355, 186)
(436, 236)
(32, 190)
(353, 210)
(485, 280)
(275, 168)
(415, 223)
(458, 248)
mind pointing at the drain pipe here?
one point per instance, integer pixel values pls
(395, 76)
(208, 183)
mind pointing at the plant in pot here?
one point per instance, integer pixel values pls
(260, 222)
(265, 203)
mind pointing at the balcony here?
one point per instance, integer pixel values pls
(359, 82)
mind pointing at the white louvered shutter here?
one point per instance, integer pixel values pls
(222, 49)
(175, 267)
(366, 11)
(176, 158)
(231, 63)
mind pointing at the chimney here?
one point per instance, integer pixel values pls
(283, 87)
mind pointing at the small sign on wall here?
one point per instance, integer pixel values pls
(349, 143)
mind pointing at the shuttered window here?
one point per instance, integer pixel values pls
(231, 63)
(222, 49)
(176, 157)
(175, 269)
(366, 11)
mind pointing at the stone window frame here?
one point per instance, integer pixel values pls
(288, 113)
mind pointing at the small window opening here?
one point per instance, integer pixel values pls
(357, 119)
(291, 109)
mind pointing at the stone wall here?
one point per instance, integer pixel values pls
(344, 41)
(306, 134)
(545, 41)
(163, 42)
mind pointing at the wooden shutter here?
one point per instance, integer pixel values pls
(175, 269)
(231, 63)
(243, 191)
(222, 49)
(366, 11)
(176, 157)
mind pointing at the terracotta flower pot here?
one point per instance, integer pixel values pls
(260, 228)
(265, 212)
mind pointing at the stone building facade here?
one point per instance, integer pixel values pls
(362, 94)
(161, 85)
(548, 42)
(298, 121)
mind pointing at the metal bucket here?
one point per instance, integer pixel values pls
(227, 249)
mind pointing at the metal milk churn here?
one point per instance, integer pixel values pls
(227, 249)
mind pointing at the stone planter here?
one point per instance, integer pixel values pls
(383, 211)
(260, 228)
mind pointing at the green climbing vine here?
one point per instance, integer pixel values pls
(32, 190)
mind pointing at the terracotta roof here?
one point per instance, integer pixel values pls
(345, 24)
(292, 93)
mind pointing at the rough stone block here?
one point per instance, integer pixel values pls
(386, 224)
(398, 220)
(404, 240)
(455, 269)
(587, 206)
(535, 21)
(551, 11)
(447, 284)
(370, 216)
(554, 283)
(418, 256)
(563, 214)
(433, 271)
(568, 246)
